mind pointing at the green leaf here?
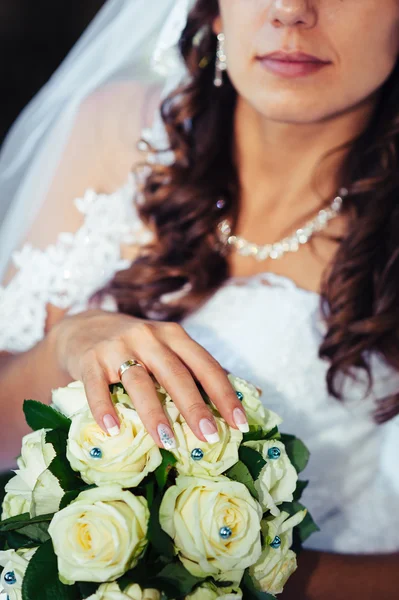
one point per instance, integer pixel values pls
(253, 460)
(307, 527)
(257, 433)
(4, 479)
(297, 452)
(41, 416)
(254, 434)
(67, 477)
(177, 575)
(16, 541)
(300, 487)
(250, 591)
(69, 497)
(37, 532)
(41, 577)
(17, 519)
(240, 472)
(58, 439)
(147, 576)
(156, 535)
(149, 491)
(59, 466)
(273, 434)
(17, 523)
(87, 589)
(162, 472)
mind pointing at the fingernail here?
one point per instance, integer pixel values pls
(209, 431)
(240, 420)
(111, 425)
(166, 437)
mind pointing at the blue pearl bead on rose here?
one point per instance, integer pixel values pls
(274, 453)
(197, 454)
(10, 578)
(96, 453)
(276, 543)
(225, 533)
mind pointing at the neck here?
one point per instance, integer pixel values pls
(277, 160)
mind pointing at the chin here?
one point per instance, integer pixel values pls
(295, 115)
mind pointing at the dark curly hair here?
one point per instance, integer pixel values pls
(360, 292)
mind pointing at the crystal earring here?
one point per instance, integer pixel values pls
(221, 61)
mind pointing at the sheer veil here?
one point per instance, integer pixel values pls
(128, 39)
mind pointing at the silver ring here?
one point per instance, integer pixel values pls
(127, 364)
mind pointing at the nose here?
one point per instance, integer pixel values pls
(289, 13)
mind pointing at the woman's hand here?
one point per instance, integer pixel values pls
(91, 347)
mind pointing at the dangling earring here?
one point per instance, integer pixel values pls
(221, 61)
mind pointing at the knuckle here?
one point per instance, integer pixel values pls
(173, 328)
(213, 368)
(89, 362)
(154, 413)
(141, 329)
(176, 368)
(195, 408)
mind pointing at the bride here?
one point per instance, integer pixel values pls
(253, 228)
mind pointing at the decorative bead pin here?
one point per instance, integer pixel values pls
(274, 453)
(276, 543)
(10, 578)
(96, 453)
(225, 533)
(197, 454)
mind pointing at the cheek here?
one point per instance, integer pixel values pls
(367, 59)
(363, 58)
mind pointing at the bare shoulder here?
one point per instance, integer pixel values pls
(118, 112)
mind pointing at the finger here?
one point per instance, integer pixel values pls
(174, 376)
(213, 378)
(141, 390)
(99, 398)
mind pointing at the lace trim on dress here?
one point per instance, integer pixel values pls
(70, 271)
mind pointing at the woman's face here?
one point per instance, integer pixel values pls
(359, 40)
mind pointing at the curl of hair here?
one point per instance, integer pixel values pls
(360, 293)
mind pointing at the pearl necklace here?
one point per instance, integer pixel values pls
(288, 244)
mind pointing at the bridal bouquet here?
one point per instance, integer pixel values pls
(116, 518)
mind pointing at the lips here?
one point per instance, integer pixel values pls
(298, 57)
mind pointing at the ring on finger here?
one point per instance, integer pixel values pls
(131, 362)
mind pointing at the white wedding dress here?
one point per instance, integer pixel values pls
(263, 328)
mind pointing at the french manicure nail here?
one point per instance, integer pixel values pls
(209, 431)
(240, 420)
(111, 425)
(166, 437)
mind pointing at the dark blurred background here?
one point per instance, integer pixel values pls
(35, 35)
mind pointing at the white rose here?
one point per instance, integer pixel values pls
(257, 414)
(209, 591)
(70, 399)
(277, 563)
(120, 395)
(15, 564)
(278, 479)
(124, 459)
(34, 488)
(101, 535)
(112, 591)
(195, 511)
(197, 458)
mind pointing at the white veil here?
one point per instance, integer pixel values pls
(128, 39)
